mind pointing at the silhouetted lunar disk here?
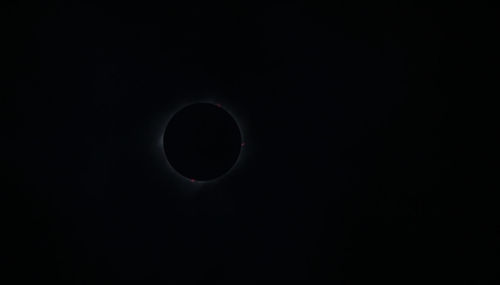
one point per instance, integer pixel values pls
(202, 141)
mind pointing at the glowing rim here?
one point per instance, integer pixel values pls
(162, 142)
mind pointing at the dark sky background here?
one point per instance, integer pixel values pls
(342, 179)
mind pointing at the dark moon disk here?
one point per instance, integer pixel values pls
(202, 141)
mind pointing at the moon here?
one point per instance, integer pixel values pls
(202, 142)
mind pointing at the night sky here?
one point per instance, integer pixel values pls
(342, 178)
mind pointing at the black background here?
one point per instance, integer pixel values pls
(343, 179)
